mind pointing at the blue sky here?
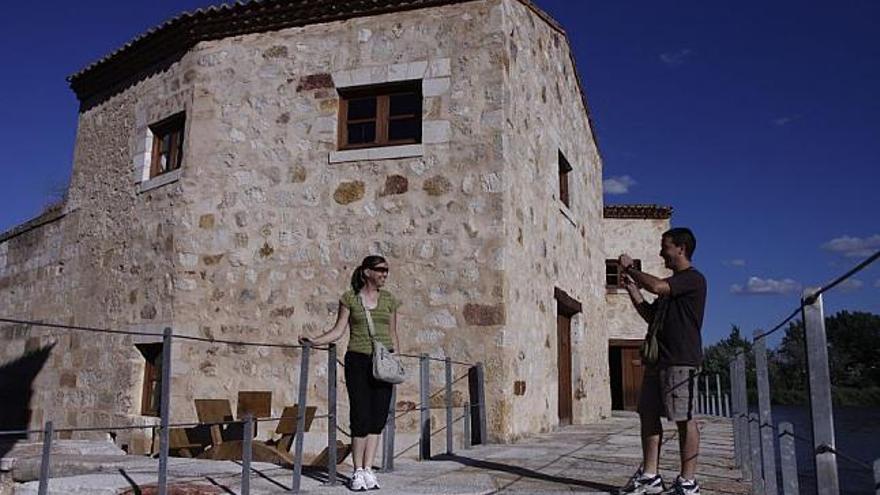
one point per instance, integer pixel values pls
(757, 121)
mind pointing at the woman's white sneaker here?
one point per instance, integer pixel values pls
(358, 481)
(370, 478)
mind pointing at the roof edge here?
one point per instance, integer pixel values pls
(638, 212)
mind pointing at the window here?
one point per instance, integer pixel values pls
(167, 153)
(564, 170)
(612, 272)
(382, 115)
(152, 392)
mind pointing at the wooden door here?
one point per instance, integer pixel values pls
(632, 372)
(563, 336)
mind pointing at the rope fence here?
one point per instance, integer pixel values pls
(474, 412)
(756, 439)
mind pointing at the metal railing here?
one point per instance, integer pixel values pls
(756, 439)
(473, 417)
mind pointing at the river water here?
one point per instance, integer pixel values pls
(857, 434)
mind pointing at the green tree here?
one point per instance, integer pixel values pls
(716, 357)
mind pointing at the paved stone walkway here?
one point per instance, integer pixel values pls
(593, 458)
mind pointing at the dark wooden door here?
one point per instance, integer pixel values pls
(632, 373)
(563, 336)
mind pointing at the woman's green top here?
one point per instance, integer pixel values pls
(359, 336)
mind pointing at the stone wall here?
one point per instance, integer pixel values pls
(548, 245)
(640, 238)
(255, 237)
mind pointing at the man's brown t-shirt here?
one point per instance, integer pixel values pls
(679, 337)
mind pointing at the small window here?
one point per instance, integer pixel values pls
(167, 153)
(564, 170)
(385, 115)
(612, 272)
(152, 391)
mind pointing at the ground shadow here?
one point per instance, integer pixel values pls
(16, 389)
(524, 472)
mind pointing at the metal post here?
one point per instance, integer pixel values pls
(424, 408)
(48, 433)
(820, 395)
(737, 439)
(788, 459)
(768, 438)
(481, 405)
(466, 434)
(247, 453)
(755, 454)
(164, 410)
(449, 448)
(331, 415)
(742, 417)
(301, 416)
(388, 435)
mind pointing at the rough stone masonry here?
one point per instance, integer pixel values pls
(255, 236)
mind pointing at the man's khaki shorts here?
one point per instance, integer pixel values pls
(670, 391)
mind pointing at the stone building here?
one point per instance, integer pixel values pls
(635, 230)
(233, 165)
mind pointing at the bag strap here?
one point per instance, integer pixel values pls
(370, 327)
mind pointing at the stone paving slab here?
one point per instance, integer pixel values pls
(593, 458)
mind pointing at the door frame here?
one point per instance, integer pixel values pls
(566, 308)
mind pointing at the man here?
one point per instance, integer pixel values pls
(670, 384)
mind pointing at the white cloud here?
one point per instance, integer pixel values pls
(734, 262)
(785, 120)
(618, 185)
(766, 286)
(851, 284)
(676, 58)
(853, 247)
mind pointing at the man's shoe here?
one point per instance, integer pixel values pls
(683, 487)
(640, 484)
(358, 481)
(370, 479)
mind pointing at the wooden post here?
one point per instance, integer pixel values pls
(737, 439)
(821, 411)
(755, 454)
(424, 408)
(449, 447)
(331, 415)
(165, 411)
(788, 459)
(247, 453)
(301, 416)
(743, 417)
(768, 437)
(45, 461)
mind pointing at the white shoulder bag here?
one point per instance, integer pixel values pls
(386, 366)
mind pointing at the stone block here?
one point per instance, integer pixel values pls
(483, 314)
(435, 86)
(349, 192)
(395, 184)
(439, 67)
(437, 185)
(436, 131)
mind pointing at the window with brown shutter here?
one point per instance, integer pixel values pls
(564, 171)
(382, 115)
(167, 152)
(152, 390)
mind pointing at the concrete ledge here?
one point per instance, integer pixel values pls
(382, 153)
(159, 181)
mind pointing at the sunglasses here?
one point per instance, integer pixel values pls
(380, 269)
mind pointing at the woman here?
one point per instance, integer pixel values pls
(369, 399)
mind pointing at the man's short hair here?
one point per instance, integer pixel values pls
(683, 237)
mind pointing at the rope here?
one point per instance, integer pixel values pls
(815, 295)
(73, 327)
